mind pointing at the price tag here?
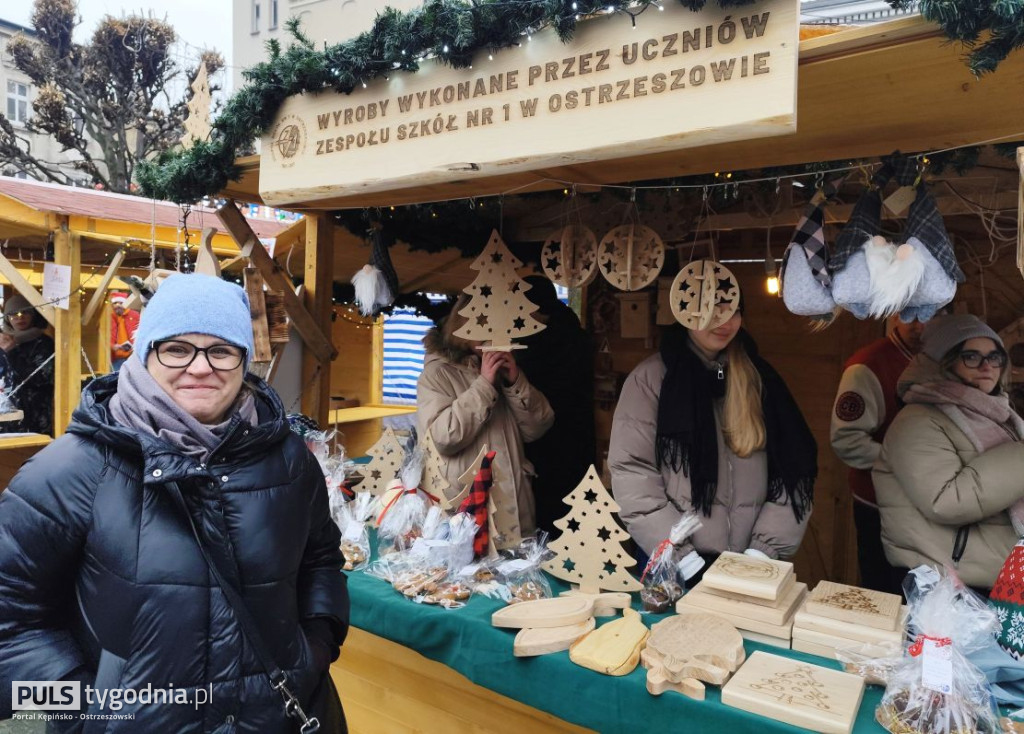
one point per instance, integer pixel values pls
(937, 665)
(353, 532)
(900, 199)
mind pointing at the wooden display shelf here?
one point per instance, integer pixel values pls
(414, 694)
(368, 412)
(26, 441)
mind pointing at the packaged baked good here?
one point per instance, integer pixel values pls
(521, 573)
(351, 519)
(662, 586)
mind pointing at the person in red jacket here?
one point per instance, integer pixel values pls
(866, 404)
(123, 323)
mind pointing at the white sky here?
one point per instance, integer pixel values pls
(198, 23)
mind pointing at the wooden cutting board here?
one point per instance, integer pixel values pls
(766, 639)
(780, 612)
(796, 693)
(851, 631)
(813, 648)
(544, 640)
(606, 604)
(688, 649)
(561, 611)
(856, 605)
(614, 647)
(691, 602)
(742, 574)
(784, 594)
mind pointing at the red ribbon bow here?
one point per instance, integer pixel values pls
(917, 646)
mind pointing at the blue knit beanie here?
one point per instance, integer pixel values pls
(195, 304)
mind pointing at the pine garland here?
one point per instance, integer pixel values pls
(453, 31)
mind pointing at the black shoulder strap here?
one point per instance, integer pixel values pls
(278, 680)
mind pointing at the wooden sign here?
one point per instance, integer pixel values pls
(742, 574)
(796, 693)
(780, 613)
(854, 604)
(677, 79)
(613, 648)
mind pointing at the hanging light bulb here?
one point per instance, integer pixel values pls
(771, 281)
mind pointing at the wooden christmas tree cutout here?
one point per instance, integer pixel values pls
(435, 480)
(589, 551)
(704, 295)
(197, 124)
(499, 310)
(569, 256)
(385, 465)
(631, 256)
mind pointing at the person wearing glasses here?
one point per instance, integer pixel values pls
(29, 353)
(178, 527)
(951, 468)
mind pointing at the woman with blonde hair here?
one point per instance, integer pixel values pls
(466, 398)
(708, 426)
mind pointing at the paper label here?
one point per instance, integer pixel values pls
(900, 199)
(514, 566)
(57, 284)
(353, 532)
(937, 665)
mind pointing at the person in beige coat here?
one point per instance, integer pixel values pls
(708, 426)
(465, 399)
(951, 471)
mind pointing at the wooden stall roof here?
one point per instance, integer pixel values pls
(861, 93)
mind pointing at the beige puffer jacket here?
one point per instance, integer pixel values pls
(463, 411)
(931, 481)
(652, 500)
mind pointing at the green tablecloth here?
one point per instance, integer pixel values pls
(463, 639)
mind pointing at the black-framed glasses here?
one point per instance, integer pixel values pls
(180, 354)
(973, 359)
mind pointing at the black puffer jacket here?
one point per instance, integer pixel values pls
(99, 569)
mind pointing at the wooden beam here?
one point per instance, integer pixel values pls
(22, 286)
(206, 262)
(312, 334)
(258, 314)
(319, 282)
(377, 362)
(100, 293)
(68, 333)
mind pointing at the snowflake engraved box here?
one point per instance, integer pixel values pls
(762, 578)
(797, 693)
(854, 604)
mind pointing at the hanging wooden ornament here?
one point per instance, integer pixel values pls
(631, 256)
(197, 124)
(569, 256)
(498, 310)
(589, 551)
(704, 295)
(386, 463)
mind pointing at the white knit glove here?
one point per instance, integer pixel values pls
(755, 553)
(690, 565)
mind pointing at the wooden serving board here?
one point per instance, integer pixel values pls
(691, 603)
(766, 639)
(544, 640)
(854, 604)
(742, 574)
(813, 648)
(561, 611)
(701, 647)
(796, 693)
(848, 630)
(780, 613)
(607, 603)
(784, 594)
(827, 640)
(614, 647)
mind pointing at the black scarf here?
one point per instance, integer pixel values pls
(686, 413)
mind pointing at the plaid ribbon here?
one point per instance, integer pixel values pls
(925, 223)
(476, 504)
(810, 235)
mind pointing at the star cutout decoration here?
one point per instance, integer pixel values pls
(573, 525)
(497, 257)
(569, 565)
(553, 263)
(485, 290)
(609, 568)
(609, 248)
(513, 286)
(519, 323)
(375, 474)
(481, 320)
(609, 266)
(726, 285)
(685, 287)
(590, 496)
(604, 534)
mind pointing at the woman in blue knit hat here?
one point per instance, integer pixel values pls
(177, 539)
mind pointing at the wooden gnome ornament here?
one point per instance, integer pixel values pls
(589, 551)
(704, 295)
(376, 283)
(498, 310)
(631, 256)
(569, 256)
(385, 465)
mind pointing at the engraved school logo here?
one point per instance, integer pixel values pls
(289, 138)
(850, 406)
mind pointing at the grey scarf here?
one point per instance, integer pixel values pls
(141, 404)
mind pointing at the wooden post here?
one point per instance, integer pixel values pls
(100, 294)
(25, 289)
(258, 313)
(319, 282)
(377, 362)
(68, 331)
(313, 334)
(1020, 212)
